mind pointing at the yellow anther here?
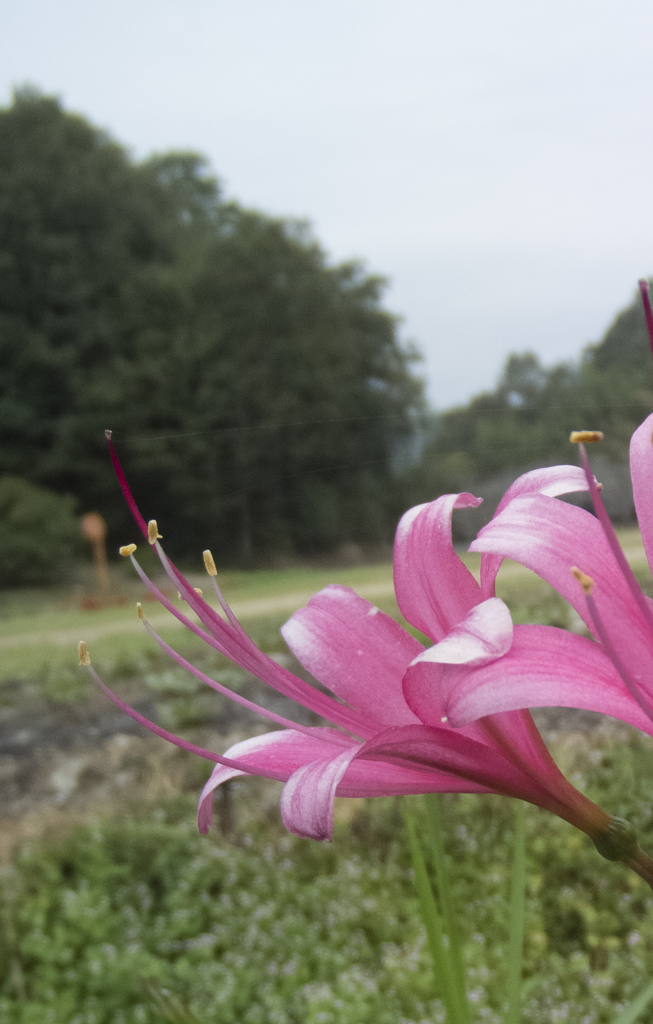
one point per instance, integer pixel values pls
(153, 531)
(179, 597)
(126, 550)
(84, 656)
(197, 591)
(585, 436)
(209, 563)
(139, 610)
(586, 582)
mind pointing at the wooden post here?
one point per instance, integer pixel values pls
(94, 529)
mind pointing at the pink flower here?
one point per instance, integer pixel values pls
(554, 539)
(391, 732)
(579, 555)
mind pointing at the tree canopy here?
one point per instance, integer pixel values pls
(527, 419)
(257, 393)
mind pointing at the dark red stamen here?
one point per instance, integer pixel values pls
(648, 313)
(124, 486)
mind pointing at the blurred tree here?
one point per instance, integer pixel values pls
(288, 374)
(527, 419)
(39, 533)
(133, 297)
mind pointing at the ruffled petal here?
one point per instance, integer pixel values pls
(356, 650)
(434, 589)
(641, 470)
(550, 481)
(412, 765)
(484, 635)
(546, 667)
(281, 752)
(307, 798)
(219, 775)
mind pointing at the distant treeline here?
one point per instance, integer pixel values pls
(258, 394)
(527, 419)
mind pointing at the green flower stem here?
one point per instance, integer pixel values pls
(443, 971)
(517, 914)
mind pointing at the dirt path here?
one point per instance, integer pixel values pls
(249, 609)
(257, 607)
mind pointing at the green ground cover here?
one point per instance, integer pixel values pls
(138, 919)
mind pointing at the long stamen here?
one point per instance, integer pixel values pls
(587, 583)
(124, 486)
(194, 599)
(612, 539)
(219, 688)
(209, 564)
(262, 666)
(177, 740)
(648, 313)
(151, 533)
(233, 640)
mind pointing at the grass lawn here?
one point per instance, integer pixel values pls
(39, 629)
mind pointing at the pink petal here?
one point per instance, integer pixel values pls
(356, 650)
(484, 635)
(366, 778)
(307, 798)
(550, 481)
(448, 750)
(427, 688)
(550, 537)
(219, 775)
(435, 590)
(546, 667)
(641, 470)
(529, 773)
(278, 753)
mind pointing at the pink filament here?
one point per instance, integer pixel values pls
(219, 688)
(239, 766)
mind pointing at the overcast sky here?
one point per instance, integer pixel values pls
(493, 158)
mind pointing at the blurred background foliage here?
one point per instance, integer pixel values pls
(259, 396)
(39, 532)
